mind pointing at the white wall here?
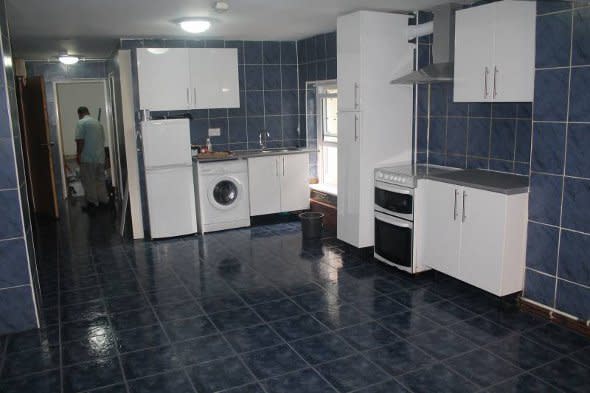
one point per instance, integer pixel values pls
(70, 96)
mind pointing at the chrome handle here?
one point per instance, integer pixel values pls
(485, 82)
(463, 211)
(455, 213)
(195, 96)
(277, 166)
(356, 96)
(283, 166)
(356, 135)
(188, 98)
(495, 74)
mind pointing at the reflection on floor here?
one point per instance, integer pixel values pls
(257, 310)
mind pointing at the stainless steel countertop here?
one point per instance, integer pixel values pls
(245, 154)
(503, 183)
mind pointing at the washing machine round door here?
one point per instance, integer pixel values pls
(225, 192)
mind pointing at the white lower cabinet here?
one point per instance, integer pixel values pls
(476, 236)
(278, 183)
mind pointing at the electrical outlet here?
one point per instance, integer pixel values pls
(214, 131)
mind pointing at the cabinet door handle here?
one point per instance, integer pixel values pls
(356, 96)
(283, 166)
(277, 166)
(195, 96)
(356, 134)
(485, 82)
(495, 75)
(188, 98)
(464, 214)
(455, 213)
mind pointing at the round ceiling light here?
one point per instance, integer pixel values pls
(157, 51)
(68, 59)
(195, 26)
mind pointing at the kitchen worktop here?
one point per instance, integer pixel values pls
(245, 154)
(503, 183)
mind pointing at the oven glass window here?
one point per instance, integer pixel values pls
(394, 202)
(393, 243)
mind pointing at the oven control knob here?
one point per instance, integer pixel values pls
(379, 175)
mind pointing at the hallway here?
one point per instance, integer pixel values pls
(257, 310)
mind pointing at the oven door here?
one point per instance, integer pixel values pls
(394, 241)
(395, 200)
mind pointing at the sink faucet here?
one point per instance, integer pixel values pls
(263, 136)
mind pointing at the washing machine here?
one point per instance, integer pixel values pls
(222, 193)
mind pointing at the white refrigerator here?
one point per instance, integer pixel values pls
(169, 177)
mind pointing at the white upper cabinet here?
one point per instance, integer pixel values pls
(495, 52)
(163, 78)
(214, 78)
(199, 78)
(349, 62)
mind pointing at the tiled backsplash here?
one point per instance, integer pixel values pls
(18, 272)
(269, 97)
(56, 72)
(558, 254)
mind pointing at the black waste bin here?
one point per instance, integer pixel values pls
(311, 224)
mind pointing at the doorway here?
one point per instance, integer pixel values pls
(93, 94)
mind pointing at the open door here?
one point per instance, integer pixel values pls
(37, 146)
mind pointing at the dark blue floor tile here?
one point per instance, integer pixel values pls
(175, 381)
(183, 329)
(445, 313)
(437, 378)
(149, 361)
(119, 388)
(133, 319)
(83, 311)
(31, 361)
(525, 383)
(385, 387)
(273, 361)
(483, 368)
(261, 295)
(125, 303)
(416, 298)
(203, 349)
(90, 348)
(253, 338)
(479, 303)
(341, 316)
(316, 300)
(515, 319)
(351, 373)
(399, 358)
(141, 338)
(379, 306)
(219, 375)
(298, 327)
(408, 323)
(73, 331)
(170, 312)
(168, 296)
(250, 388)
(298, 289)
(235, 319)
(367, 335)
(322, 348)
(523, 352)
(91, 375)
(566, 374)
(221, 303)
(442, 343)
(304, 381)
(480, 330)
(558, 338)
(46, 382)
(582, 356)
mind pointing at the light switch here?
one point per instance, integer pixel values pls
(214, 131)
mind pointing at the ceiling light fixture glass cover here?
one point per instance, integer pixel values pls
(157, 51)
(195, 26)
(69, 60)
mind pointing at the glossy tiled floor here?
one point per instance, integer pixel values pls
(255, 310)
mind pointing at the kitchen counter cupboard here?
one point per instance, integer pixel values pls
(475, 235)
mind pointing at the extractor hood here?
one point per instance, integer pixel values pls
(443, 50)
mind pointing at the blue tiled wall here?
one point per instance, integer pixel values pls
(269, 96)
(56, 72)
(317, 62)
(558, 254)
(17, 254)
(469, 135)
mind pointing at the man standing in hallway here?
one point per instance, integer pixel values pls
(90, 157)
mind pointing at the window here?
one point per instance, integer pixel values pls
(327, 102)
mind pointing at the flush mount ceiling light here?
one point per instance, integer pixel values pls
(157, 51)
(194, 25)
(68, 59)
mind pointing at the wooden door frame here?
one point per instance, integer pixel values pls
(107, 111)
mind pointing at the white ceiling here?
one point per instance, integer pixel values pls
(91, 28)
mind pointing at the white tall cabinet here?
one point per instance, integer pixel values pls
(495, 52)
(183, 78)
(374, 117)
(475, 235)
